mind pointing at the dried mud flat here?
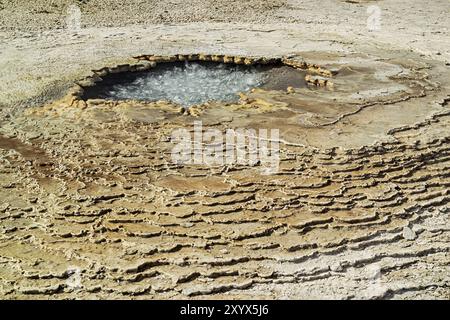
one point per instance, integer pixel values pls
(93, 207)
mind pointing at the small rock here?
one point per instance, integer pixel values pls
(408, 234)
(187, 224)
(226, 119)
(336, 267)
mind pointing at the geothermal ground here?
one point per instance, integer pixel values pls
(92, 205)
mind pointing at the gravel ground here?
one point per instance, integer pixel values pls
(44, 15)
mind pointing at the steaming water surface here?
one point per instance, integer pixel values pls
(188, 84)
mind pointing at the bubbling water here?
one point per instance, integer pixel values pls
(189, 84)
